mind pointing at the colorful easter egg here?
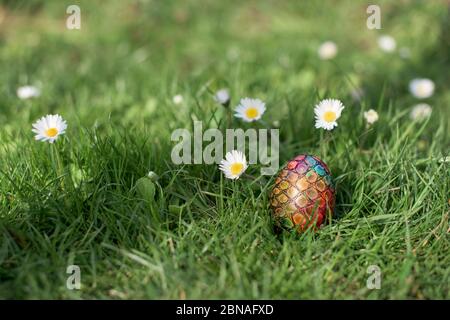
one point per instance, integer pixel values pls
(303, 195)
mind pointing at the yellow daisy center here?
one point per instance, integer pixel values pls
(236, 168)
(51, 132)
(329, 116)
(251, 113)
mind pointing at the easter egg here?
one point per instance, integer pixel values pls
(303, 195)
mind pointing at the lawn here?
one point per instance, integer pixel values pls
(199, 235)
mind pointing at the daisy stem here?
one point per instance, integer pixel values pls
(322, 145)
(228, 118)
(362, 141)
(328, 141)
(56, 160)
(325, 140)
(235, 189)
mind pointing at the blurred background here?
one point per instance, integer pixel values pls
(141, 53)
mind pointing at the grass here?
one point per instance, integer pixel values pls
(75, 202)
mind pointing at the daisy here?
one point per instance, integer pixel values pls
(28, 92)
(177, 99)
(233, 165)
(421, 88)
(250, 109)
(387, 43)
(371, 116)
(327, 112)
(222, 96)
(327, 50)
(420, 112)
(48, 128)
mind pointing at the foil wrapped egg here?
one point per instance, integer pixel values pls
(303, 195)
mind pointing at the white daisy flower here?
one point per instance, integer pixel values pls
(327, 50)
(233, 165)
(48, 128)
(371, 116)
(177, 99)
(327, 112)
(420, 112)
(28, 92)
(387, 43)
(222, 96)
(421, 88)
(250, 109)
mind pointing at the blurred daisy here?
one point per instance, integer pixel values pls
(152, 175)
(327, 50)
(48, 128)
(387, 43)
(327, 112)
(222, 96)
(421, 88)
(233, 165)
(371, 116)
(233, 53)
(420, 112)
(177, 99)
(250, 109)
(284, 61)
(28, 92)
(404, 53)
